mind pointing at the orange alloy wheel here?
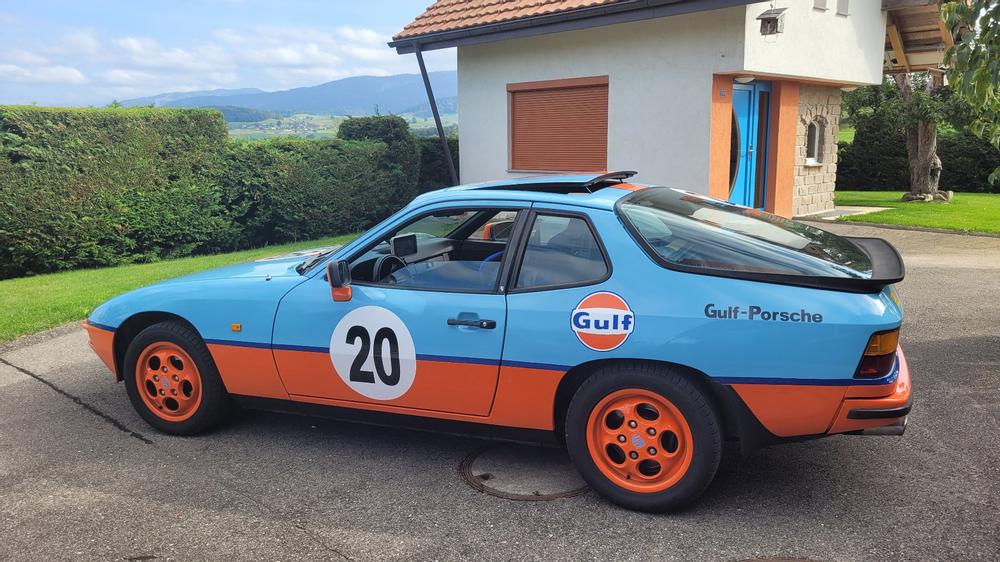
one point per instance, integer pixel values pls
(639, 440)
(168, 381)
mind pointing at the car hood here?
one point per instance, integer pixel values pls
(274, 266)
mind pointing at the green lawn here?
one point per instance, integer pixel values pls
(31, 304)
(969, 212)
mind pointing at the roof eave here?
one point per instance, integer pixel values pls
(571, 20)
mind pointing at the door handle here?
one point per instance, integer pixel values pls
(475, 323)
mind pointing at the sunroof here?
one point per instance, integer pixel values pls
(564, 184)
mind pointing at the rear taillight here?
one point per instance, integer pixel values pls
(879, 355)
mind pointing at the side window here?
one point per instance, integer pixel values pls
(560, 251)
(498, 228)
(459, 250)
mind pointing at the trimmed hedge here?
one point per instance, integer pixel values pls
(434, 172)
(876, 160)
(296, 189)
(95, 187)
(99, 187)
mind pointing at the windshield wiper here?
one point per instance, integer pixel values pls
(305, 266)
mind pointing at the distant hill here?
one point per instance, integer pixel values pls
(445, 106)
(358, 95)
(165, 99)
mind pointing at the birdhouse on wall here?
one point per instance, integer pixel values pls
(772, 21)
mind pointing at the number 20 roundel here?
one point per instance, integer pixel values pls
(373, 353)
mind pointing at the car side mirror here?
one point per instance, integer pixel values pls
(338, 273)
(498, 231)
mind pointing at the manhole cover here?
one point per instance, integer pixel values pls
(522, 472)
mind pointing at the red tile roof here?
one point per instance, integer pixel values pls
(450, 15)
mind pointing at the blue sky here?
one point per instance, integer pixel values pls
(72, 52)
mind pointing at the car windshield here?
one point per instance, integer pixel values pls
(693, 231)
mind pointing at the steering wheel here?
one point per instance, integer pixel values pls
(495, 256)
(385, 266)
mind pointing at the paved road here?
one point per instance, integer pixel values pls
(82, 477)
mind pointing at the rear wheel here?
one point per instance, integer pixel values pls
(643, 436)
(172, 381)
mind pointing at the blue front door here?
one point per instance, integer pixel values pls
(748, 159)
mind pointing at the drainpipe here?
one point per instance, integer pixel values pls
(437, 116)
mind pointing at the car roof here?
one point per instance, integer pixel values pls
(595, 190)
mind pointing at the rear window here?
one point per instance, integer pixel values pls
(691, 231)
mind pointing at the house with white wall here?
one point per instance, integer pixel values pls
(736, 99)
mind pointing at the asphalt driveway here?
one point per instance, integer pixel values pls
(82, 477)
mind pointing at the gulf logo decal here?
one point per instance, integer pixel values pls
(602, 321)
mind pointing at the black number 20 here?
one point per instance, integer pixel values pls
(383, 335)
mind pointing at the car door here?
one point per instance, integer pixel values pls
(425, 337)
(562, 305)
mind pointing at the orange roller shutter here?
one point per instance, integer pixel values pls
(559, 125)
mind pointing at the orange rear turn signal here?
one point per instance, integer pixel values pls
(879, 356)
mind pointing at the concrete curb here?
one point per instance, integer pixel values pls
(39, 337)
(899, 227)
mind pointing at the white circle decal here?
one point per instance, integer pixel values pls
(373, 352)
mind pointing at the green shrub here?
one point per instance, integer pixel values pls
(967, 162)
(295, 189)
(95, 187)
(434, 172)
(401, 159)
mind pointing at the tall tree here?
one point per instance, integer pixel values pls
(974, 62)
(922, 113)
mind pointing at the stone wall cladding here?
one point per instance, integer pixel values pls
(812, 191)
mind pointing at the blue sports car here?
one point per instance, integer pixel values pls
(642, 327)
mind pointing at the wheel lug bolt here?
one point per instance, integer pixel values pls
(633, 455)
(176, 378)
(162, 392)
(651, 431)
(621, 438)
(651, 450)
(164, 369)
(156, 378)
(173, 391)
(632, 423)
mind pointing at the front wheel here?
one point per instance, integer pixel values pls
(172, 381)
(644, 437)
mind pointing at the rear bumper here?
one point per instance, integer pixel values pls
(867, 407)
(102, 341)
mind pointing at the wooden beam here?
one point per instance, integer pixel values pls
(897, 45)
(900, 4)
(946, 36)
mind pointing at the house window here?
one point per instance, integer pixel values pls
(814, 143)
(559, 125)
(843, 7)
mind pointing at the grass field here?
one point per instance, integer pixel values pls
(32, 304)
(969, 212)
(845, 133)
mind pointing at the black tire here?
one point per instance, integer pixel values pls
(685, 395)
(215, 402)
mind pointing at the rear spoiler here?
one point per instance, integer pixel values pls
(887, 268)
(887, 264)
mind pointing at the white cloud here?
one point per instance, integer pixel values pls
(128, 76)
(80, 42)
(20, 56)
(42, 74)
